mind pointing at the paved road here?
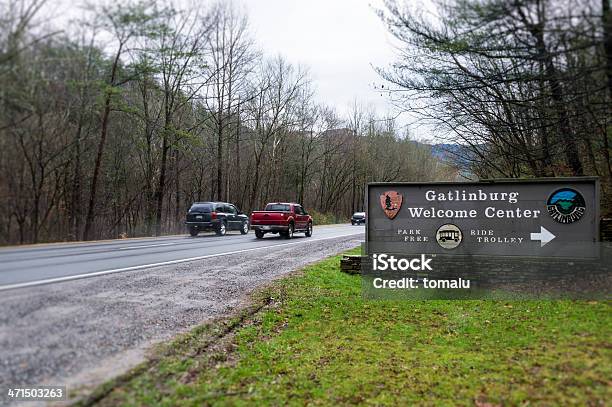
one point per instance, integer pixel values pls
(33, 265)
(81, 332)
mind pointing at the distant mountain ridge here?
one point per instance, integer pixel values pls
(451, 152)
(456, 155)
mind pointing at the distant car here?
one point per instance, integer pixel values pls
(217, 216)
(358, 218)
(282, 218)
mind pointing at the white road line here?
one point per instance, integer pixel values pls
(149, 245)
(165, 263)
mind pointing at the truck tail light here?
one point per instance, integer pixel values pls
(213, 215)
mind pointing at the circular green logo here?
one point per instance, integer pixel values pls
(566, 205)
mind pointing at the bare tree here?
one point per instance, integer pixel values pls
(180, 50)
(123, 23)
(232, 54)
(517, 84)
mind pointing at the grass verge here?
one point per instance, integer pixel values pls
(312, 339)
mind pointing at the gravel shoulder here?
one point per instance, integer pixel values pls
(83, 332)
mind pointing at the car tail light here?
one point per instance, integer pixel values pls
(213, 215)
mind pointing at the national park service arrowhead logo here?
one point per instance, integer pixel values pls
(391, 202)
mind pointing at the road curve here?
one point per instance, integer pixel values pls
(42, 264)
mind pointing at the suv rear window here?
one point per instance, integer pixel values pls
(277, 208)
(201, 208)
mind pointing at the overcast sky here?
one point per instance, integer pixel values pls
(339, 40)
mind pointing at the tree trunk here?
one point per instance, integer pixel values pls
(76, 184)
(239, 198)
(98, 163)
(607, 25)
(161, 185)
(220, 156)
(255, 182)
(177, 187)
(569, 141)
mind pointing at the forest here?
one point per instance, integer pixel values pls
(113, 121)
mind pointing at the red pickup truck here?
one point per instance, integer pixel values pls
(282, 218)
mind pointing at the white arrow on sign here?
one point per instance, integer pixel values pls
(544, 236)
